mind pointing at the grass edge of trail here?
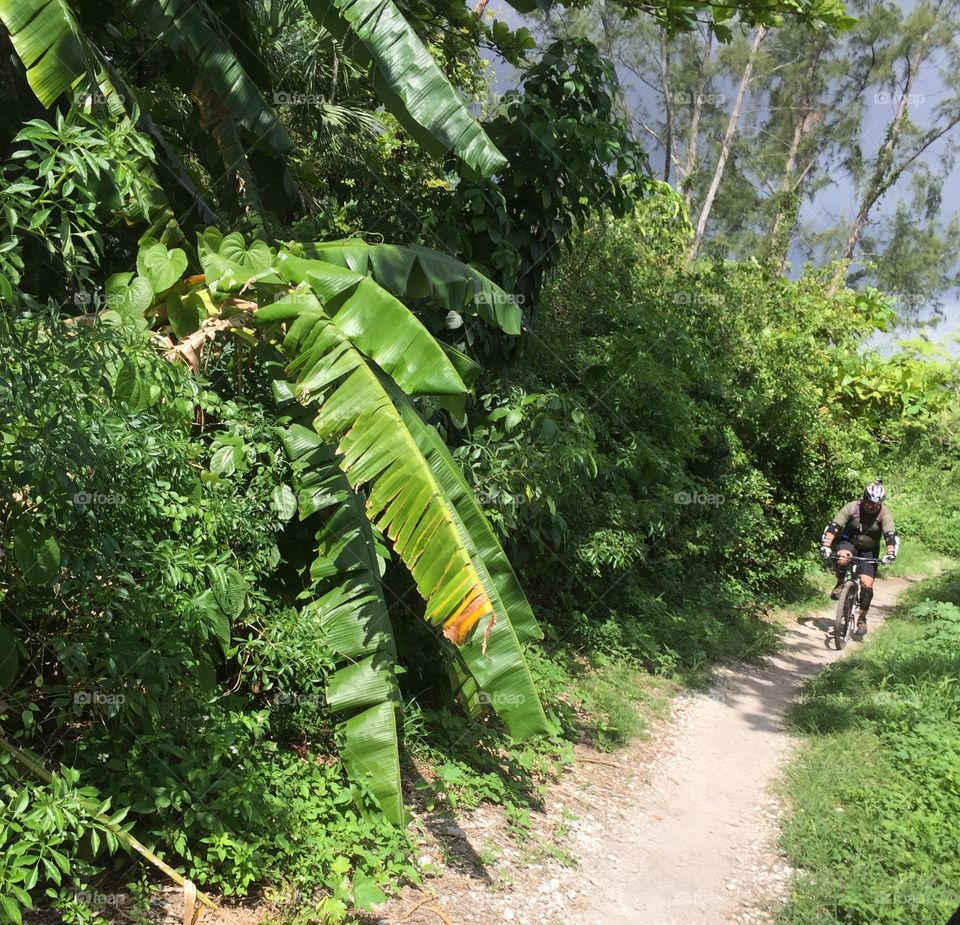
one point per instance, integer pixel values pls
(873, 791)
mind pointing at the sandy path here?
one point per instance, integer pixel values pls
(700, 848)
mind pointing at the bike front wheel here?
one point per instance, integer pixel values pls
(843, 624)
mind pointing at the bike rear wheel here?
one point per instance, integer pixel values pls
(843, 624)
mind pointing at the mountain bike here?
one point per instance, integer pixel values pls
(845, 623)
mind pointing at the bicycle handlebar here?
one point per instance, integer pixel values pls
(859, 558)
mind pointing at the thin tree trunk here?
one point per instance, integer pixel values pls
(788, 206)
(879, 190)
(725, 146)
(877, 186)
(609, 38)
(668, 108)
(216, 119)
(691, 163)
(882, 177)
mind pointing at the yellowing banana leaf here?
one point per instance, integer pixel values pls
(479, 536)
(410, 504)
(408, 81)
(495, 662)
(405, 501)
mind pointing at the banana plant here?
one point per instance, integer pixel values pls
(59, 56)
(414, 272)
(368, 464)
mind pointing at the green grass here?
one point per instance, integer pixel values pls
(875, 792)
(917, 559)
(618, 701)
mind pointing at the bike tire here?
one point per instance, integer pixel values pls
(841, 624)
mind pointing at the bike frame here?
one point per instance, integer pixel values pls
(846, 619)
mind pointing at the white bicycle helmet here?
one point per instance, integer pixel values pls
(875, 492)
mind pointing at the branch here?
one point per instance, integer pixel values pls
(190, 348)
(36, 768)
(932, 136)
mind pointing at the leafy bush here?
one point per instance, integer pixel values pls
(669, 431)
(64, 185)
(148, 640)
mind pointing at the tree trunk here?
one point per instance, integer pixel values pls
(216, 119)
(881, 178)
(788, 205)
(668, 108)
(691, 163)
(725, 146)
(877, 185)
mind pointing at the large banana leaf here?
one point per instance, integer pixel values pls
(479, 537)
(414, 272)
(406, 501)
(48, 40)
(183, 27)
(353, 615)
(407, 79)
(496, 662)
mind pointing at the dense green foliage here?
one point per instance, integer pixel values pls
(296, 536)
(166, 664)
(659, 448)
(876, 795)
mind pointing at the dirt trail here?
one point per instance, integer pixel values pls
(681, 831)
(708, 823)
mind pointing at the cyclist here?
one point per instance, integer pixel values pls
(861, 525)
